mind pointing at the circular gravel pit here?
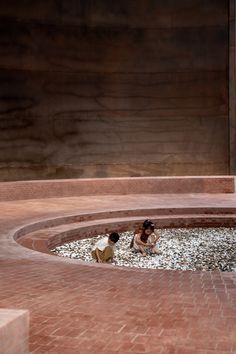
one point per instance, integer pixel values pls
(204, 249)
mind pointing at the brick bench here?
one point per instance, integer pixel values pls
(14, 331)
(23, 190)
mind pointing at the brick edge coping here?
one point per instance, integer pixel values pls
(45, 235)
(40, 189)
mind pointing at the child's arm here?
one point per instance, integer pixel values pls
(140, 242)
(153, 238)
(97, 254)
(157, 235)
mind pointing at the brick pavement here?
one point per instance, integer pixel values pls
(77, 308)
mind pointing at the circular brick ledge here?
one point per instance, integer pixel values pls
(45, 235)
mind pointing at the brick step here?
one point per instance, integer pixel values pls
(149, 212)
(45, 239)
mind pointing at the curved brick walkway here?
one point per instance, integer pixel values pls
(77, 308)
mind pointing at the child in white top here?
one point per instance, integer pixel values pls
(103, 250)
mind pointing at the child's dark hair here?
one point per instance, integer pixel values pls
(148, 224)
(114, 237)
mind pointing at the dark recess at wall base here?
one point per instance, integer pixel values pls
(115, 170)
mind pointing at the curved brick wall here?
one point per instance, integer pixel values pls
(45, 235)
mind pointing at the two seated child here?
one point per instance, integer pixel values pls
(144, 241)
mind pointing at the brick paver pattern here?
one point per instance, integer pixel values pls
(85, 309)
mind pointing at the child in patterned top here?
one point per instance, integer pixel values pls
(145, 240)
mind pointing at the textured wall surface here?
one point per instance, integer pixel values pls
(113, 88)
(232, 86)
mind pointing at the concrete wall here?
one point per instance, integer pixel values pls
(113, 88)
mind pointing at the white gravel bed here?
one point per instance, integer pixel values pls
(203, 249)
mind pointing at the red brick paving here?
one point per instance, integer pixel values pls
(84, 309)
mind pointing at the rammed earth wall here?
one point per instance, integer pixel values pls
(113, 88)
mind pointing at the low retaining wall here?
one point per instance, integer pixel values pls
(114, 186)
(44, 236)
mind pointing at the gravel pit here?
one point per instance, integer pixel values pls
(204, 249)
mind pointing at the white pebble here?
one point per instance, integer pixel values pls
(183, 249)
